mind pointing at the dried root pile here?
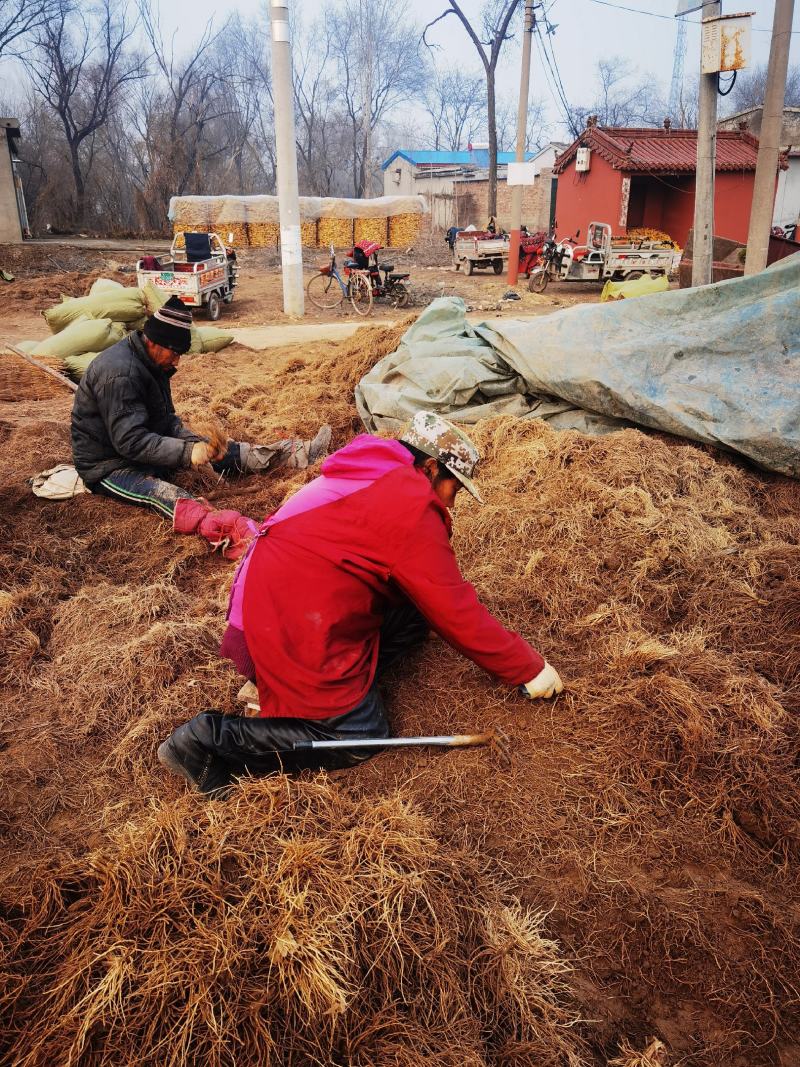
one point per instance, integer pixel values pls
(652, 810)
(292, 925)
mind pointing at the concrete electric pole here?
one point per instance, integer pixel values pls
(703, 249)
(522, 133)
(769, 142)
(288, 199)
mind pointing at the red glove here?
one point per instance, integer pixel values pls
(229, 530)
(189, 513)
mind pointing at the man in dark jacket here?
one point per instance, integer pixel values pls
(127, 438)
(344, 578)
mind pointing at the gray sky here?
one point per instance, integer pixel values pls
(587, 30)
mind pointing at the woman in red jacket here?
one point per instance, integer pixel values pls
(350, 573)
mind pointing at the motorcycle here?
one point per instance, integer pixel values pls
(391, 286)
(551, 261)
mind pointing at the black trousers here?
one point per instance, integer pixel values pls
(218, 748)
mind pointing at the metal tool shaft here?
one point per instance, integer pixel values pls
(452, 741)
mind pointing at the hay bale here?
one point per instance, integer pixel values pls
(293, 924)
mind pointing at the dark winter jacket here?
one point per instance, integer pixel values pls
(123, 415)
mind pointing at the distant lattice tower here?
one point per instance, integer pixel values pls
(677, 71)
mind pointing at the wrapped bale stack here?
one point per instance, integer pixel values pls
(253, 221)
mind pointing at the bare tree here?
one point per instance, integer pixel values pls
(623, 97)
(495, 26)
(455, 103)
(19, 19)
(81, 67)
(378, 68)
(750, 86)
(182, 117)
(319, 122)
(535, 131)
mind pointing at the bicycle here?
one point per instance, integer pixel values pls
(328, 289)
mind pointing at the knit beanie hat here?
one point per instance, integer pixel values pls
(171, 326)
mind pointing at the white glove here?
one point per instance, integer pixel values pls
(546, 684)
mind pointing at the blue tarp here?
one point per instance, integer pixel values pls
(718, 364)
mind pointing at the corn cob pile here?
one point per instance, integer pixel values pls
(233, 233)
(404, 230)
(263, 234)
(648, 233)
(252, 222)
(336, 232)
(371, 230)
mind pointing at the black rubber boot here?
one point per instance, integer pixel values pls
(188, 752)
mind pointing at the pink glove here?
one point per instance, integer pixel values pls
(229, 530)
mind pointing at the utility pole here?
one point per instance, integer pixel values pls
(769, 143)
(703, 250)
(288, 199)
(522, 132)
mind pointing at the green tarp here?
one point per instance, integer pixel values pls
(718, 364)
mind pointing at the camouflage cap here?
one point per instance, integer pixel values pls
(443, 441)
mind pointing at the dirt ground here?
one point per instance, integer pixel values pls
(651, 812)
(259, 297)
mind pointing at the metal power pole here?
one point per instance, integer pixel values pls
(288, 199)
(769, 144)
(703, 251)
(522, 131)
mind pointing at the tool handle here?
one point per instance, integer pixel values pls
(43, 366)
(452, 741)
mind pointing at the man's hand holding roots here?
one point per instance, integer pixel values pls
(204, 452)
(546, 684)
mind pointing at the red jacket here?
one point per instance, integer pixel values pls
(318, 583)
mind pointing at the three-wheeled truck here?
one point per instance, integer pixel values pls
(601, 259)
(201, 274)
(473, 249)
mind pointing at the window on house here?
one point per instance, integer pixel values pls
(397, 175)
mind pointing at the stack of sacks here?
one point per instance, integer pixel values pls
(85, 326)
(108, 300)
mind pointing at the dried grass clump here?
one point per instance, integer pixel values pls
(263, 396)
(654, 1055)
(652, 809)
(290, 925)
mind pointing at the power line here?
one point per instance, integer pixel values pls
(556, 84)
(670, 18)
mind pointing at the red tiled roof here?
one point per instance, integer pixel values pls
(661, 151)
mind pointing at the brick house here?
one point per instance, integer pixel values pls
(646, 177)
(538, 200)
(434, 174)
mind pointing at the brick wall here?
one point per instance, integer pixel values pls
(472, 199)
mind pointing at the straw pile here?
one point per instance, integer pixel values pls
(293, 925)
(652, 810)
